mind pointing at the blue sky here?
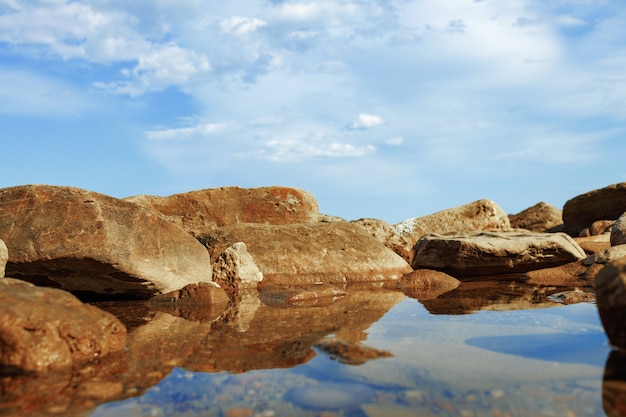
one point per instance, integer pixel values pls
(389, 109)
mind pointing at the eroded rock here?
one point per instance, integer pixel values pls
(580, 212)
(83, 241)
(234, 269)
(487, 253)
(541, 217)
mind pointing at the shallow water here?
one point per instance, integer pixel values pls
(539, 362)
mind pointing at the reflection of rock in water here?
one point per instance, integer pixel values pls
(350, 353)
(614, 385)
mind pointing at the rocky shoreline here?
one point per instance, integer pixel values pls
(72, 258)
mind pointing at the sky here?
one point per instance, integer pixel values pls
(389, 109)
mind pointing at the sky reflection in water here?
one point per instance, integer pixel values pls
(539, 362)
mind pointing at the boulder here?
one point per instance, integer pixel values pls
(234, 269)
(311, 253)
(481, 215)
(489, 253)
(618, 231)
(580, 212)
(200, 211)
(426, 284)
(86, 242)
(541, 217)
(44, 329)
(4, 257)
(610, 288)
(387, 235)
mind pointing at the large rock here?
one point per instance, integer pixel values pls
(541, 217)
(618, 231)
(488, 253)
(310, 253)
(88, 242)
(234, 269)
(610, 288)
(387, 235)
(481, 215)
(200, 211)
(580, 212)
(45, 329)
(4, 257)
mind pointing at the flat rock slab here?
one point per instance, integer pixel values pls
(488, 253)
(87, 242)
(311, 253)
(45, 329)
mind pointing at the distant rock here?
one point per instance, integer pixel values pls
(86, 242)
(4, 257)
(487, 253)
(387, 235)
(200, 211)
(43, 329)
(311, 253)
(481, 215)
(618, 231)
(610, 288)
(541, 217)
(607, 203)
(234, 269)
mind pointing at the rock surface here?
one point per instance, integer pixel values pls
(481, 215)
(618, 231)
(311, 253)
(610, 288)
(387, 235)
(44, 329)
(200, 211)
(580, 212)
(234, 269)
(487, 253)
(541, 217)
(4, 257)
(88, 242)
(426, 284)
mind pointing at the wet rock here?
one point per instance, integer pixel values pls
(426, 284)
(580, 212)
(43, 329)
(618, 231)
(610, 288)
(234, 269)
(350, 353)
(481, 215)
(313, 295)
(541, 217)
(484, 253)
(387, 235)
(204, 301)
(4, 257)
(573, 297)
(311, 253)
(200, 211)
(573, 274)
(87, 242)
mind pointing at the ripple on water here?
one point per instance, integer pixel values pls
(330, 396)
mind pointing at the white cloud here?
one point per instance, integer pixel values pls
(566, 20)
(241, 25)
(316, 10)
(395, 141)
(366, 121)
(200, 130)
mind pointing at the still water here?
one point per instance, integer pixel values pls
(372, 353)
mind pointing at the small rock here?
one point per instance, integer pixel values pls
(235, 269)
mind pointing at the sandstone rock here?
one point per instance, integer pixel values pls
(201, 302)
(45, 329)
(311, 253)
(327, 218)
(605, 256)
(541, 217)
(426, 284)
(88, 242)
(387, 235)
(481, 215)
(200, 211)
(573, 274)
(604, 204)
(487, 253)
(593, 244)
(4, 257)
(610, 288)
(618, 231)
(235, 269)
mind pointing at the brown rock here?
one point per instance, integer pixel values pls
(604, 204)
(610, 288)
(311, 253)
(204, 301)
(4, 257)
(350, 353)
(44, 329)
(618, 231)
(234, 269)
(426, 284)
(573, 274)
(541, 217)
(200, 211)
(486, 253)
(88, 242)
(387, 235)
(593, 244)
(481, 215)
(312, 295)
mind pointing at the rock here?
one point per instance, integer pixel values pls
(604, 204)
(200, 211)
(87, 242)
(610, 288)
(426, 284)
(599, 227)
(349, 353)
(618, 231)
(320, 295)
(481, 215)
(4, 257)
(573, 274)
(387, 235)
(201, 302)
(573, 297)
(43, 329)
(311, 253)
(593, 244)
(541, 217)
(234, 269)
(327, 218)
(488, 253)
